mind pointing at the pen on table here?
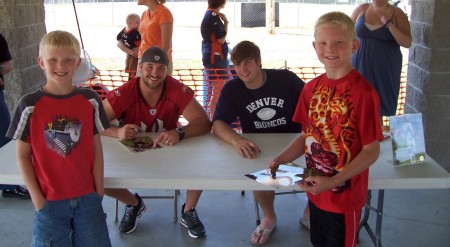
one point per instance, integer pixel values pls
(273, 172)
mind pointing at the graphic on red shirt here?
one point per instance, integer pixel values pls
(329, 134)
(339, 117)
(62, 134)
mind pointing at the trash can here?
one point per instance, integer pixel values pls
(254, 14)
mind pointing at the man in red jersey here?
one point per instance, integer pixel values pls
(154, 103)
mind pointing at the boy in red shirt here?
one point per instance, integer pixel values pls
(59, 150)
(340, 137)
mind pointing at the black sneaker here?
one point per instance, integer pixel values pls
(18, 192)
(191, 221)
(128, 223)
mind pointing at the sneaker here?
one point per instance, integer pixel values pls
(18, 192)
(128, 223)
(191, 221)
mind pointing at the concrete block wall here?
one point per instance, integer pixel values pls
(22, 23)
(428, 88)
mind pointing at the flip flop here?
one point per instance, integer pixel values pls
(262, 236)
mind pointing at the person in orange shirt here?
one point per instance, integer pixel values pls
(156, 29)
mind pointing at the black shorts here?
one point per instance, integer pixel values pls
(333, 229)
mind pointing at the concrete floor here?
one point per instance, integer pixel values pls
(411, 218)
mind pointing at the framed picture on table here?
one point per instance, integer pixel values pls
(408, 142)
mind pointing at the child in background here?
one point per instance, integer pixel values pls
(129, 40)
(59, 151)
(340, 138)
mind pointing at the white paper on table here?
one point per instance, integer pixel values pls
(286, 175)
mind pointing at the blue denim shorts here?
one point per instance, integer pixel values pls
(78, 221)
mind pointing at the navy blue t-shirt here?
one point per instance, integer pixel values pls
(131, 39)
(268, 109)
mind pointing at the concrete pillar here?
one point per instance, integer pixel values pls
(22, 23)
(428, 88)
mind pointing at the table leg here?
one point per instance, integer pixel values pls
(376, 237)
(116, 209)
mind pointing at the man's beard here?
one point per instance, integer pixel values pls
(147, 82)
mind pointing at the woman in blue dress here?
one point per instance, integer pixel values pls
(381, 29)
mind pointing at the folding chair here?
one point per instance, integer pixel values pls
(175, 204)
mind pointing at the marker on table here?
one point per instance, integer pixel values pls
(273, 172)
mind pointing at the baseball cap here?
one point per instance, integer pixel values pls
(155, 54)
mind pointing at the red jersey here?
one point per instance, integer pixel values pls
(131, 108)
(339, 117)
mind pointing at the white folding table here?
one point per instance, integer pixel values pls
(207, 163)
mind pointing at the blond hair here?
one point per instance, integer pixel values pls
(59, 40)
(337, 18)
(132, 16)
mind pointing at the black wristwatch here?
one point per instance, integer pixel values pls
(180, 132)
